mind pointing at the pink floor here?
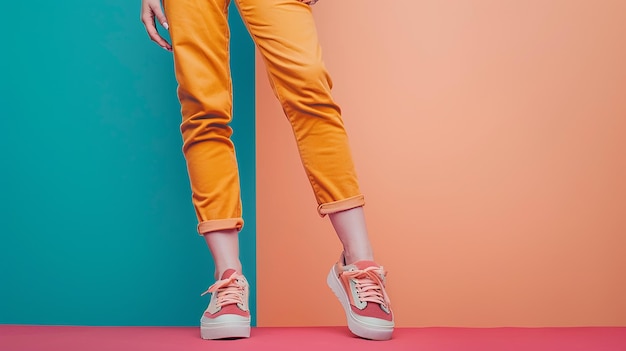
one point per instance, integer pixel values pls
(33, 338)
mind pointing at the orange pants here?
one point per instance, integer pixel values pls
(284, 32)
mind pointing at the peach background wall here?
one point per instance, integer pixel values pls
(490, 140)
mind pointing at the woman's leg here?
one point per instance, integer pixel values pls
(285, 34)
(200, 35)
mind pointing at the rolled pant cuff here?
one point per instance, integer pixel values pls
(341, 205)
(219, 224)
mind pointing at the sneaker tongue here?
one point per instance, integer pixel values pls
(228, 273)
(365, 264)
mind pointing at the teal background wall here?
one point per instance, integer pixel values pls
(96, 222)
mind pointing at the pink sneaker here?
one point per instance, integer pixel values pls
(227, 315)
(360, 288)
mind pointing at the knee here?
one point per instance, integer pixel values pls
(312, 75)
(205, 128)
(205, 107)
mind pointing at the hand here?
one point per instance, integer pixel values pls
(149, 10)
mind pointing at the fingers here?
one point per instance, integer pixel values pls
(161, 17)
(148, 13)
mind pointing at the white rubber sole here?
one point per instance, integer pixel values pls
(234, 328)
(356, 325)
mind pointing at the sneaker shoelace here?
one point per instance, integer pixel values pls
(229, 291)
(369, 285)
